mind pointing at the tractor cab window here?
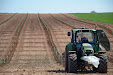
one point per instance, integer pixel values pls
(84, 37)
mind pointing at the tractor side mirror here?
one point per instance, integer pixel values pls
(69, 33)
(102, 34)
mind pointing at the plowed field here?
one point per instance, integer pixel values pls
(33, 55)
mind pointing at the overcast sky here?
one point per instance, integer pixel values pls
(55, 6)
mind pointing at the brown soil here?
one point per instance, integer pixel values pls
(58, 31)
(4, 16)
(7, 31)
(32, 55)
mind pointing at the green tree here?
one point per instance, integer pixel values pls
(93, 12)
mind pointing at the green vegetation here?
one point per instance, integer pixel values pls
(99, 17)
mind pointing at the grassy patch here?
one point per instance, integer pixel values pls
(99, 17)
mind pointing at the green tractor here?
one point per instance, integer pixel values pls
(87, 43)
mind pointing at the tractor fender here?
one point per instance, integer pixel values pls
(69, 45)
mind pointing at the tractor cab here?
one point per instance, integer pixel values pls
(90, 36)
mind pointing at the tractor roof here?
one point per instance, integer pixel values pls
(83, 29)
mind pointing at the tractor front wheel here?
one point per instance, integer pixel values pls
(72, 63)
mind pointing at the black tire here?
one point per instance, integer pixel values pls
(102, 68)
(72, 63)
(66, 59)
(95, 69)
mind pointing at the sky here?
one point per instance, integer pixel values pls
(55, 6)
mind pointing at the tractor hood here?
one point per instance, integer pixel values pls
(87, 46)
(87, 49)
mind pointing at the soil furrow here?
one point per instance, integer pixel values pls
(57, 31)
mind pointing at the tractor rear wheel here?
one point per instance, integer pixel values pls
(102, 68)
(66, 59)
(72, 63)
(95, 69)
(103, 63)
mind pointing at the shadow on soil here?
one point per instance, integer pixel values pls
(78, 72)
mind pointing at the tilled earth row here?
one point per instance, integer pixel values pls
(58, 31)
(7, 31)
